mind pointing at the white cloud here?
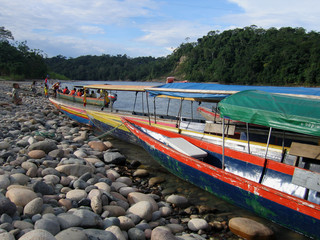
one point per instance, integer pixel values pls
(175, 32)
(277, 13)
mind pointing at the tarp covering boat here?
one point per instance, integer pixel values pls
(200, 91)
(220, 91)
(279, 111)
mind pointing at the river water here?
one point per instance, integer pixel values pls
(196, 195)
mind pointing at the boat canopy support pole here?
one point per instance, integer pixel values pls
(247, 125)
(169, 99)
(148, 109)
(268, 142)
(265, 157)
(154, 109)
(223, 141)
(284, 151)
(142, 103)
(179, 115)
(191, 110)
(135, 100)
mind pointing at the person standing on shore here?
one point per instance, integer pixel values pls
(46, 90)
(33, 88)
(15, 94)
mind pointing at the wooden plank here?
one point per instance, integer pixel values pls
(217, 128)
(305, 150)
(307, 179)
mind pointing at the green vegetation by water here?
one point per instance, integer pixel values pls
(249, 56)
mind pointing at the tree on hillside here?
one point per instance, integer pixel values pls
(5, 34)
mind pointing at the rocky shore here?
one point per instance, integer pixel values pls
(58, 181)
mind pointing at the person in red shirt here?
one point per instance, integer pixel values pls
(66, 90)
(73, 92)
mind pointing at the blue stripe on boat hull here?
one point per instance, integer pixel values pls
(77, 118)
(266, 208)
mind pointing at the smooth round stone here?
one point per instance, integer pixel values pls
(165, 211)
(4, 145)
(51, 179)
(33, 207)
(7, 236)
(65, 181)
(5, 218)
(111, 221)
(175, 228)
(117, 232)
(126, 223)
(37, 235)
(20, 196)
(125, 180)
(28, 165)
(126, 190)
(50, 171)
(65, 203)
(143, 209)
(162, 233)
(19, 178)
(140, 173)
(79, 183)
(113, 173)
(43, 188)
(71, 234)
(22, 225)
(74, 169)
(37, 154)
(103, 186)
(99, 234)
(88, 218)
(136, 234)
(155, 180)
(4, 181)
(114, 211)
(49, 225)
(97, 145)
(68, 220)
(135, 197)
(76, 194)
(96, 204)
(7, 207)
(179, 201)
(249, 229)
(197, 224)
(118, 185)
(80, 154)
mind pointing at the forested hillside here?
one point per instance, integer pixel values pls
(108, 67)
(18, 61)
(250, 55)
(288, 56)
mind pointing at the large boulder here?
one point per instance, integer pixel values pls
(249, 229)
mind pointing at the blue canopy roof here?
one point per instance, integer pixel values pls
(211, 91)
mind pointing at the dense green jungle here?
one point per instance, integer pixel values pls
(250, 56)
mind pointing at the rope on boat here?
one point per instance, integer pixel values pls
(108, 132)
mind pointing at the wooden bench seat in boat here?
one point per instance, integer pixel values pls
(302, 177)
(185, 147)
(305, 150)
(216, 128)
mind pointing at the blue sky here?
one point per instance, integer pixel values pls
(142, 27)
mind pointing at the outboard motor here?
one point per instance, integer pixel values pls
(112, 98)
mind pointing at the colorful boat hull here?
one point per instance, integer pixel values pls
(75, 113)
(287, 210)
(77, 99)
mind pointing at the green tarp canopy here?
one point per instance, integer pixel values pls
(278, 111)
